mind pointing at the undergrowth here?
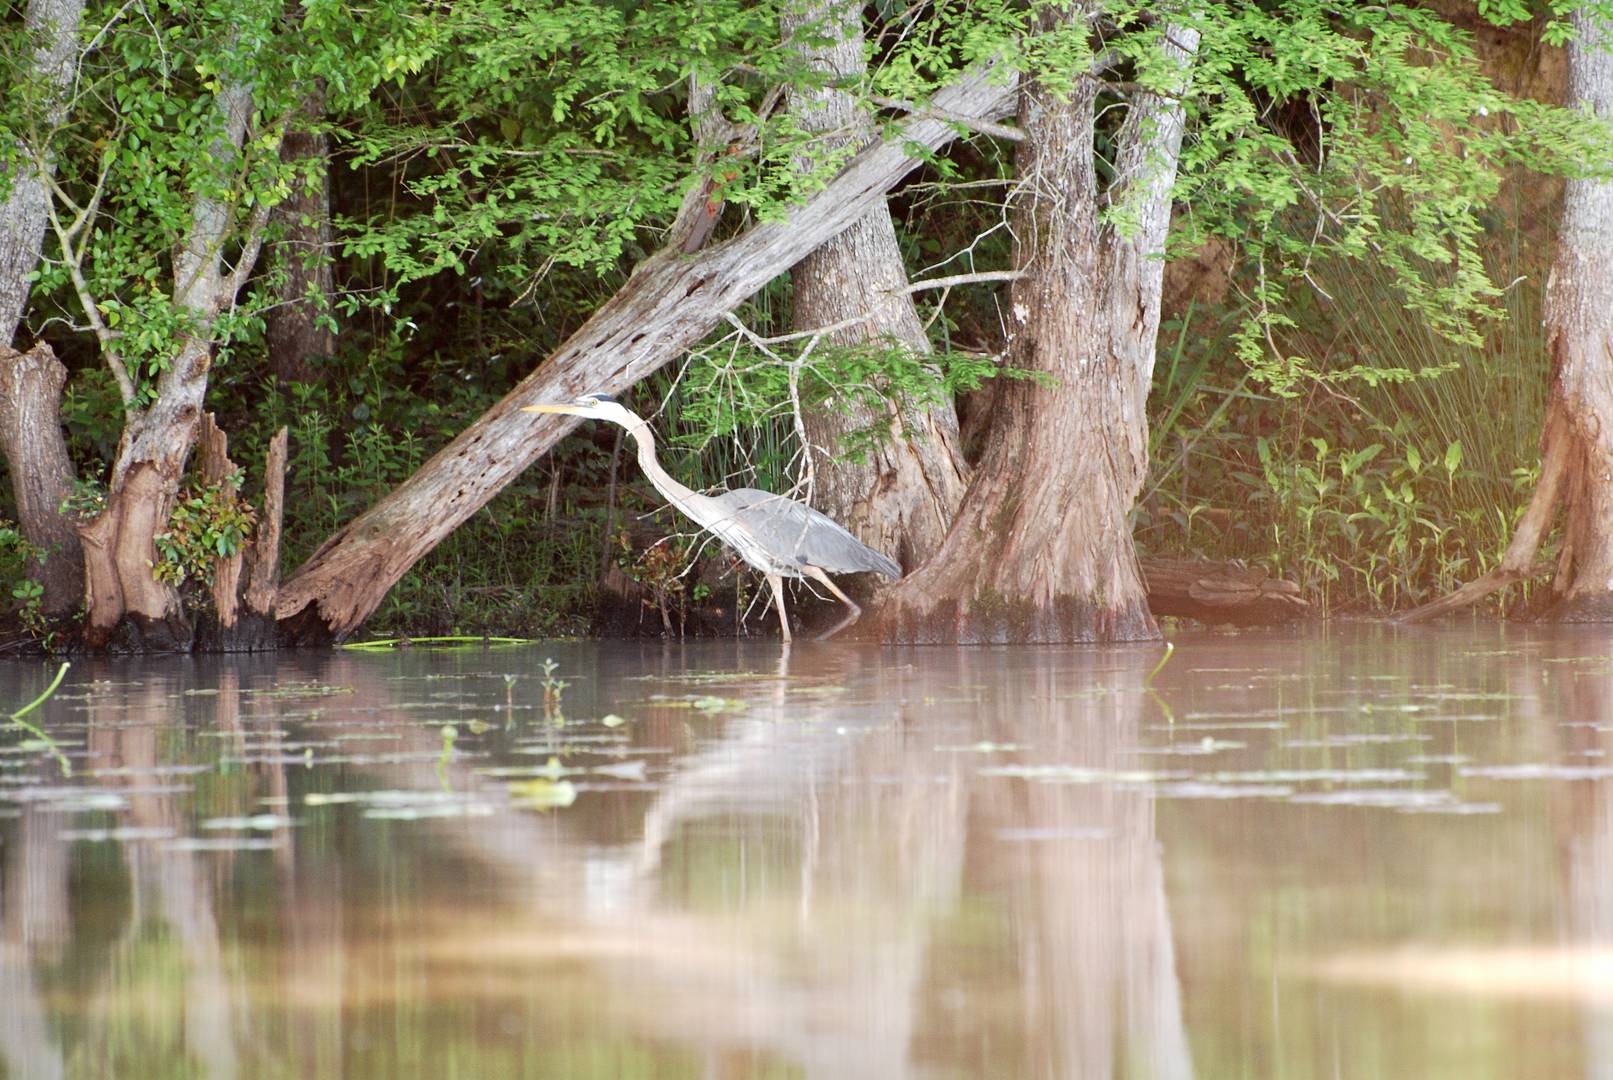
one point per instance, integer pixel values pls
(1375, 493)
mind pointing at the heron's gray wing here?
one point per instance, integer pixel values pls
(797, 534)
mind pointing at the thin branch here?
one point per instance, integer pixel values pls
(103, 333)
(964, 279)
(968, 123)
(1103, 63)
(250, 246)
(763, 343)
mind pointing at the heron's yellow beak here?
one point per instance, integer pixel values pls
(569, 409)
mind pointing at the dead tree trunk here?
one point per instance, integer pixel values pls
(1041, 550)
(901, 499)
(294, 328)
(1577, 444)
(244, 584)
(41, 472)
(668, 305)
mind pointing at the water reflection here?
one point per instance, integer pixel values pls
(1355, 854)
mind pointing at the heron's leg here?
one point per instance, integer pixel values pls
(816, 574)
(777, 585)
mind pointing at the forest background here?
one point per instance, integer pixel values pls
(398, 212)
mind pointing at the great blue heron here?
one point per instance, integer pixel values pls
(779, 536)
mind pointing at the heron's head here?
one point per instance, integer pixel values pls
(590, 406)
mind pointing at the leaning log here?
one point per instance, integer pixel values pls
(1221, 592)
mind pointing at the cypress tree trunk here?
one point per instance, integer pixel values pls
(1576, 466)
(1579, 332)
(901, 499)
(24, 212)
(1041, 550)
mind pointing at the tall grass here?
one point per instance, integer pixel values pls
(1379, 491)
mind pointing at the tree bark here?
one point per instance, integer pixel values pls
(263, 583)
(41, 472)
(302, 255)
(670, 303)
(1041, 550)
(1577, 442)
(252, 573)
(128, 608)
(216, 468)
(901, 499)
(23, 215)
(1579, 333)
(31, 382)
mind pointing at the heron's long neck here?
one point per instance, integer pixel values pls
(678, 495)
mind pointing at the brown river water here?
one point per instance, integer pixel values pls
(1348, 852)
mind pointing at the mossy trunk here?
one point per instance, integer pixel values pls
(128, 609)
(1041, 550)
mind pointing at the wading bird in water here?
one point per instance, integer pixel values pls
(778, 536)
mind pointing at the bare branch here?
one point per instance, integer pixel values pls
(251, 244)
(964, 279)
(103, 333)
(1103, 63)
(968, 123)
(763, 343)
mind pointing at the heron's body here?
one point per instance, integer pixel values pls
(777, 535)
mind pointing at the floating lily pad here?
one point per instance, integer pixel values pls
(255, 822)
(222, 843)
(1538, 772)
(542, 793)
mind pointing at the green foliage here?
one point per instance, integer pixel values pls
(208, 523)
(1323, 130)
(746, 389)
(663, 569)
(145, 150)
(17, 557)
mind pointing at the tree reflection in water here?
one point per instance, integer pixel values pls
(820, 876)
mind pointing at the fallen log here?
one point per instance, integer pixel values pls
(1221, 592)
